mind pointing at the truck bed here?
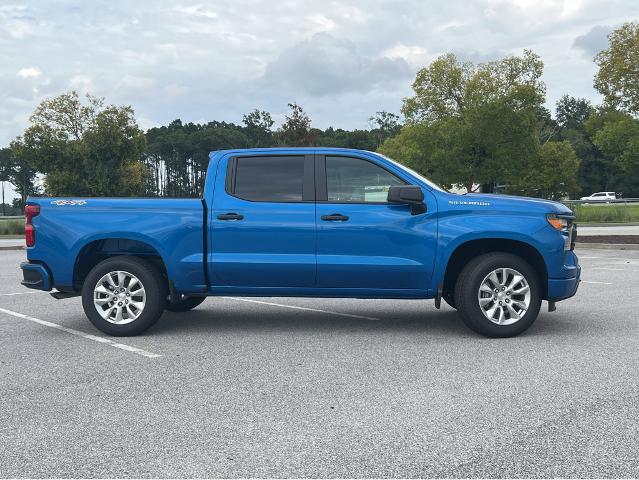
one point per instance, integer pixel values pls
(172, 229)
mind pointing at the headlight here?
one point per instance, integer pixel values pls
(557, 222)
(565, 224)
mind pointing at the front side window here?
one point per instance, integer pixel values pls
(269, 179)
(358, 181)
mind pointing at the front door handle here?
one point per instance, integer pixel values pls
(334, 217)
(230, 216)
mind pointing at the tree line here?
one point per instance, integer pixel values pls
(480, 126)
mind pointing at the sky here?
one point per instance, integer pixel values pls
(340, 60)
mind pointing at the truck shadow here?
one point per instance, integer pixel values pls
(284, 320)
(445, 322)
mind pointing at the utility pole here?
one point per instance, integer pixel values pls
(4, 212)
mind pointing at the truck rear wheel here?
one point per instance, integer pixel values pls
(124, 296)
(185, 303)
(498, 295)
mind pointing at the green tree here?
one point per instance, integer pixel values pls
(83, 148)
(296, 130)
(20, 174)
(178, 155)
(618, 76)
(331, 137)
(23, 177)
(450, 88)
(384, 125)
(596, 171)
(572, 112)
(6, 164)
(616, 135)
(620, 140)
(470, 124)
(554, 175)
(258, 128)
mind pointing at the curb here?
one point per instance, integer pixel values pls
(608, 246)
(631, 224)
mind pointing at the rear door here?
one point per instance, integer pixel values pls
(262, 223)
(363, 242)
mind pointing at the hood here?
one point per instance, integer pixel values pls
(510, 202)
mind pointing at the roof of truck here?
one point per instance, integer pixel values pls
(288, 150)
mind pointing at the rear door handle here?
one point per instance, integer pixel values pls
(230, 216)
(334, 217)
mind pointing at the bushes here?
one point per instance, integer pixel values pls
(12, 227)
(610, 213)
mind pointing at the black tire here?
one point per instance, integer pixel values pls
(185, 304)
(449, 298)
(467, 290)
(155, 289)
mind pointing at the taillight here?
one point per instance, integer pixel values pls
(30, 211)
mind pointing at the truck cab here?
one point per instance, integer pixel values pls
(313, 222)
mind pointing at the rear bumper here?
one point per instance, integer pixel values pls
(35, 276)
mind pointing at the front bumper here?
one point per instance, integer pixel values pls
(562, 288)
(36, 276)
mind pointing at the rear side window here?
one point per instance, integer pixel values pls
(269, 179)
(357, 181)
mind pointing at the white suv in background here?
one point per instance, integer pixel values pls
(600, 197)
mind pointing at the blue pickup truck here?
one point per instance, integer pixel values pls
(304, 222)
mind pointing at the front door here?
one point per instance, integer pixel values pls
(262, 222)
(363, 242)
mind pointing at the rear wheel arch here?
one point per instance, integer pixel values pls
(99, 250)
(471, 249)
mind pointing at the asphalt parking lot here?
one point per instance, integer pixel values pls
(323, 388)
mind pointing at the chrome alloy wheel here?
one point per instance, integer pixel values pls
(504, 296)
(119, 297)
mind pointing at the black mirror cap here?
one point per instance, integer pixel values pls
(411, 194)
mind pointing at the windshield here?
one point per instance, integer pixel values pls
(428, 182)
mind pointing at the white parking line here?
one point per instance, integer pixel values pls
(88, 336)
(610, 258)
(598, 283)
(295, 307)
(613, 269)
(19, 293)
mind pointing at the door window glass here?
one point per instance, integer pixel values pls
(358, 181)
(269, 179)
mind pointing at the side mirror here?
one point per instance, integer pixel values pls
(408, 194)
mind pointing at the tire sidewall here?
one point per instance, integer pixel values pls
(150, 278)
(470, 281)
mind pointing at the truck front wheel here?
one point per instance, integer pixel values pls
(124, 296)
(498, 295)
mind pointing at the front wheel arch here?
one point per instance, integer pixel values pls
(472, 249)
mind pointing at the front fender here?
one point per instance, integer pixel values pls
(457, 230)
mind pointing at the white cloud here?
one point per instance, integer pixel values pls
(196, 11)
(593, 41)
(325, 65)
(415, 55)
(29, 72)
